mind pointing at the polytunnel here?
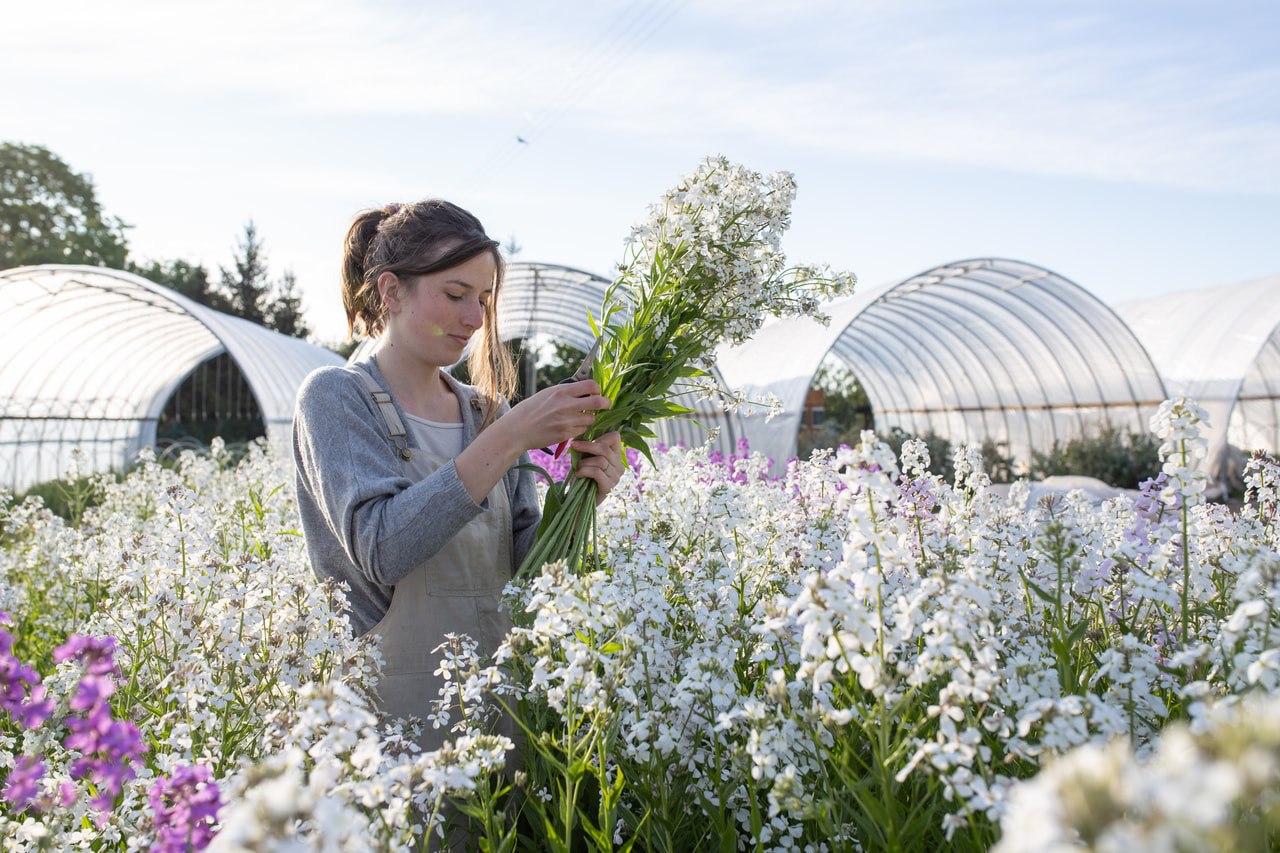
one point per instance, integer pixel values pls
(539, 299)
(92, 355)
(979, 349)
(1220, 346)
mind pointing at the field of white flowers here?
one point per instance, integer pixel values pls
(852, 656)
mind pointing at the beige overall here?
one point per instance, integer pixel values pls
(457, 590)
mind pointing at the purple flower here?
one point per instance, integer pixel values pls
(185, 804)
(21, 693)
(32, 714)
(557, 467)
(94, 690)
(108, 747)
(96, 654)
(21, 787)
(15, 679)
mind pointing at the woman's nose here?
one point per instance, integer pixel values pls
(474, 317)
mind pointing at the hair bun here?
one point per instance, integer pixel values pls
(387, 212)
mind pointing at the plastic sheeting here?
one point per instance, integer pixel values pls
(90, 357)
(1221, 347)
(980, 349)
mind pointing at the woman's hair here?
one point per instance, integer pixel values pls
(418, 239)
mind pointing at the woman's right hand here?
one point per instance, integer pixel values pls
(557, 414)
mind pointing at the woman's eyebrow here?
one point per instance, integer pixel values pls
(467, 285)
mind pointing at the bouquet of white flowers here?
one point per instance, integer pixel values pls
(705, 267)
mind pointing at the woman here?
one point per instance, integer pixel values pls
(406, 479)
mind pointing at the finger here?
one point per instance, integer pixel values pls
(601, 448)
(582, 388)
(598, 468)
(587, 397)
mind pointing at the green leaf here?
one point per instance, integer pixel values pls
(538, 469)
(633, 439)
(1039, 591)
(554, 500)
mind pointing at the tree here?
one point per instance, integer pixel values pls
(285, 313)
(50, 215)
(191, 280)
(247, 285)
(244, 290)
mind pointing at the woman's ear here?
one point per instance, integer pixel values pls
(389, 289)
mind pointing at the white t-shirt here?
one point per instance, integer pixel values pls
(435, 437)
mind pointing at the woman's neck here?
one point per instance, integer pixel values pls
(420, 388)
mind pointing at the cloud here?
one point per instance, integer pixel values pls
(1063, 97)
(1116, 91)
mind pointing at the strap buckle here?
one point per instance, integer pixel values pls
(402, 445)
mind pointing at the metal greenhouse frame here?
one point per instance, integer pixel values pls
(1221, 347)
(979, 349)
(91, 356)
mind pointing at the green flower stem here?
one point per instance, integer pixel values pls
(569, 534)
(1186, 557)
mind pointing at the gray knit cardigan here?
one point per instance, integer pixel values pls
(365, 523)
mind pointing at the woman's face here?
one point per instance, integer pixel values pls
(434, 315)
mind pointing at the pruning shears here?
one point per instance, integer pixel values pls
(584, 369)
(583, 372)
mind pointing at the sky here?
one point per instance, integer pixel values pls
(1132, 147)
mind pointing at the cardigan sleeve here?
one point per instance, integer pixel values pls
(352, 489)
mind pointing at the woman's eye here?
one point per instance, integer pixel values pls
(455, 297)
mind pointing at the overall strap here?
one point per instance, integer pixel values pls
(395, 427)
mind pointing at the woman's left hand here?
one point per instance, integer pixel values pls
(601, 461)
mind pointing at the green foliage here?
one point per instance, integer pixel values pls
(50, 214)
(1121, 459)
(191, 280)
(543, 364)
(246, 282)
(846, 411)
(213, 401)
(995, 463)
(243, 290)
(285, 312)
(941, 459)
(67, 498)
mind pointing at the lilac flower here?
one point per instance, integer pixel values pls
(32, 714)
(21, 693)
(15, 679)
(557, 466)
(109, 747)
(186, 804)
(21, 787)
(95, 654)
(94, 690)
